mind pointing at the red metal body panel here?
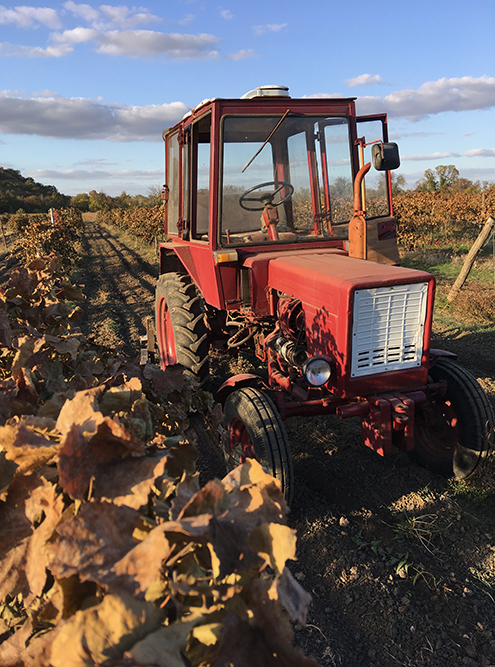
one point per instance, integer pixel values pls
(198, 261)
(259, 264)
(317, 277)
(237, 382)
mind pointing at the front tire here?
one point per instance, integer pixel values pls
(180, 327)
(454, 432)
(254, 429)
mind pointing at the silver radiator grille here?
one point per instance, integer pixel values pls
(388, 328)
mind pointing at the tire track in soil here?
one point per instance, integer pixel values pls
(119, 284)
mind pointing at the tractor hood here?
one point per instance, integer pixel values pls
(371, 319)
(321, 277)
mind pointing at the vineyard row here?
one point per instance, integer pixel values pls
(422, 216)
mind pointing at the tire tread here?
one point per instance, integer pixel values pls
(190, 333)
(476, 421)
(267, 431)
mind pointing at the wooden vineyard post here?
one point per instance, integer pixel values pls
(3, 234)
(471, 256)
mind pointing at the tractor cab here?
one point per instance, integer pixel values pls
(266, 171)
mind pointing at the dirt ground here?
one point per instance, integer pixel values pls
(400, 562)
(118, 276)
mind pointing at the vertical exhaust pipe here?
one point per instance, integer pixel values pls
(357, 226)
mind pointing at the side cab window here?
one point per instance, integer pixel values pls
(172, 178)
(188, 163)
(200, 178)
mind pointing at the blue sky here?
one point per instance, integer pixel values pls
(86, 89)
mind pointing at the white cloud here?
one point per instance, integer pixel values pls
(429, 156)
(131, 43)
(123, 17)
(150, 43)
(412, 135)
(72, 181)
(226, 14)
(80, 118)
(456, 94)
(94, 174)
(480, 152)
(86, 12)
(17, 51)
(316, 96)
(26, 17)
(75, 36)
(109, 29)
(243, 54)
(364, 80)
(270, 27)
(187, 19)
(468, 134)
(109, 16)
(148, 121)
(98, 161)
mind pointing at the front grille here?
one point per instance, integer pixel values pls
(388, 328)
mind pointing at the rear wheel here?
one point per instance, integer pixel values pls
(254, 429)
(454, 432)
(180, 327)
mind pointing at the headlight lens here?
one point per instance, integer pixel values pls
(317, 371)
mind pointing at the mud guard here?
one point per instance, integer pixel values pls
(436, 354)
(236, 382)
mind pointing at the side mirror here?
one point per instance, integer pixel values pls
(385, 156)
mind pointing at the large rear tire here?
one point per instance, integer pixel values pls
(454, 433)
(180, 328)
(254, 429)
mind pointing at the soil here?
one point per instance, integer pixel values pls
(118, 276)
(400, 562)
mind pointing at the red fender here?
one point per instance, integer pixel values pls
(435, 354)
(236, 382)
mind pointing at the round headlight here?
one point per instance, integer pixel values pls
(317, 371)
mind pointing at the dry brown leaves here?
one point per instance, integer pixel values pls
(111, 553)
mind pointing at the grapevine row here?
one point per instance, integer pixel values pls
(144, 223)
(111, 553)
(422, 217)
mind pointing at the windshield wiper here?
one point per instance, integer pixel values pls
(267, 139)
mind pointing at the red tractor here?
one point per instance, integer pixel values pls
(277, 244)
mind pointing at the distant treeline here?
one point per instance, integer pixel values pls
(20, 194)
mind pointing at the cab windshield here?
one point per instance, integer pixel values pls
(285, 179)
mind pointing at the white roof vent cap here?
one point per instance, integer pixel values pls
(267, 91)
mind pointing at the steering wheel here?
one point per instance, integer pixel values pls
(267, 197)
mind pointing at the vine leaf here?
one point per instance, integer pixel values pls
(90, 543)
(275, 543)
(26, 448)
(103, 632)
(128, 481)
(23, 569)
(163, 647)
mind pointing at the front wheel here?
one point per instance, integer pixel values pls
(454, 432)
(254, 429)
